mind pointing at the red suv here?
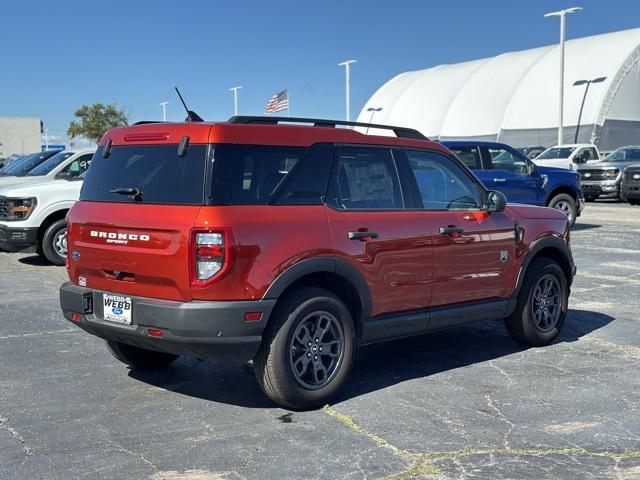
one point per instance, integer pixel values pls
(292, 242)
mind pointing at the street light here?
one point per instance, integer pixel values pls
(562, 14)
(235, 99)
(373, 111)
(584, 98)
(164, 110)
(347, 70)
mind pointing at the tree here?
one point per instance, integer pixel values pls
(94, 120)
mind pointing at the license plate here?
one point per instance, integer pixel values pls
(117, 309)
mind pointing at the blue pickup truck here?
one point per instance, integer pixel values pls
(503, 168)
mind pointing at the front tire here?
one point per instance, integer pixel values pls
(308, 349)
(140, 358)
(542, 304)
(566, 204)
(54, 242)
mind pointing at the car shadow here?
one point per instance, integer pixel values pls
(584, 226)
(378, 366)
(36, 261)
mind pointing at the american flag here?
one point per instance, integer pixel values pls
(277, 103)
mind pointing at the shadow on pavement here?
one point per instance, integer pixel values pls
(584, 226)
(378, 366)
(36, 261)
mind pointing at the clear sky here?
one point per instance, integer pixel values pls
(56, 57)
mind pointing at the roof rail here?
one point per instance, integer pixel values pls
(401, 132)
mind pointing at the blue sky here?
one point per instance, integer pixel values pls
(132, 53)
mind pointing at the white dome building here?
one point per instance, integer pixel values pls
(513, 98)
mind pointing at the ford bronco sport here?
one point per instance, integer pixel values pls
(290, 244)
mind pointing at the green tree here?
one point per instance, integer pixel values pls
(93, 120)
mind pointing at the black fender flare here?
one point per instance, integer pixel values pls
(539, 245)
(318, 265)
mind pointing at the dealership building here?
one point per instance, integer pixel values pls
(513, 98)
(19, 135)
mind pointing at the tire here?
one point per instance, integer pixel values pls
(528, 327)
(590, 199)
(567, 205)
(137, 357)
(622, 198)
(285, 364)
(634, 202)
(54, 242)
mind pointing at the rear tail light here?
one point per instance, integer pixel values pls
(212, 255)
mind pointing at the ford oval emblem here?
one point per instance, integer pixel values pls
(75, 255)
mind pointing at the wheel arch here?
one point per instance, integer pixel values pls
(49, 220)
(553, 248)
(561, 189)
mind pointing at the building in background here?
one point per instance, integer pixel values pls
(513, 98)
(19, 135)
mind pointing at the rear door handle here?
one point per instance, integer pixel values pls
(500, 180)
(366, 235)
(451, 231)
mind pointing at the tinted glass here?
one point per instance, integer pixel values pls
(156, 170)
(48, 165)
(24, 165)
(556, 152)
(249, 174)
(442, 184)
(502, 159)
(366, 178)
(470, 156)
(624, 154)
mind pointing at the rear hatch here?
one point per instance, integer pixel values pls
(130, 231)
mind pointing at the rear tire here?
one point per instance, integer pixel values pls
(307, 350)
(634, 202)
(540, 312)
(566, 204)
(137, 357)
(54, 242)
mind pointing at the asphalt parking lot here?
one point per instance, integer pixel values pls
(465, 403)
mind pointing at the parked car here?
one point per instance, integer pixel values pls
(631, 184)
(568, 156)
(604, 179)
(292, 245)
(531, 152)
(32, 214)
(501, 167)
(62, 165)
(5, 162)
(24, 165)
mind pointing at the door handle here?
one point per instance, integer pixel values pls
(451, 231)
(500, 180)
(362, 235)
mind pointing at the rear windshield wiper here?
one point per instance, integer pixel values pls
(132, 192)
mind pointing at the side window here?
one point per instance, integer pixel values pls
(78, 166)
(502, 159)
(442, 184)
(589, 154)
(470, 156)
(365, 178)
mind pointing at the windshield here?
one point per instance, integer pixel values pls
(556, 152)
(48, 165)
(22, 166)
(624, 155)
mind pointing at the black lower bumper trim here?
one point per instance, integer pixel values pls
(18, 239)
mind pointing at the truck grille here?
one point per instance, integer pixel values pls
(4, 209)
(632, 175)
(596, 175)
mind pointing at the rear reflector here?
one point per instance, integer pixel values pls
(252, 316)
(76, 317)
(155, 332)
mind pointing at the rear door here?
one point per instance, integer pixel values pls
(377, 230)
(137, 244)
(509, 173)
(473, 250)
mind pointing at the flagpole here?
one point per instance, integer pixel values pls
(288, 102)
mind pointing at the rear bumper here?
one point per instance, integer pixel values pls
(210, 330)
(18, 239)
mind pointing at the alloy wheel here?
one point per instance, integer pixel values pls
(547, 303)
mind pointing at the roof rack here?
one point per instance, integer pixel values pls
(401, 132)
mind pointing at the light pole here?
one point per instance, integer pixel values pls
(235, 99)
(562, 14)
(373, 111)
(347, 70)
(164, 110)
(584, 98)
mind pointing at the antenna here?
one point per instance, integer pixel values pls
(191, 115)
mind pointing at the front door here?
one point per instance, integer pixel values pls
(377, 231)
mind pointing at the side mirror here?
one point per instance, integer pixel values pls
(531, 168)
(64, 174)
(496, 202)
(577, 159)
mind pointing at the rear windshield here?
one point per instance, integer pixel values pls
(156, 171)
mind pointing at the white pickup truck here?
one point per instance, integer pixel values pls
(568, 156)
(32, 213)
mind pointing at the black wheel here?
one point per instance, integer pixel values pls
(308, 349)
(542, 304)
(54, 242)
(137, 357)
(567, 205)
(634, 202)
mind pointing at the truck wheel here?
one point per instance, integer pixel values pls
(307, 350)
(542, 304)
(567, 205)
(590, 198)
(137, 357)
(54, 242)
